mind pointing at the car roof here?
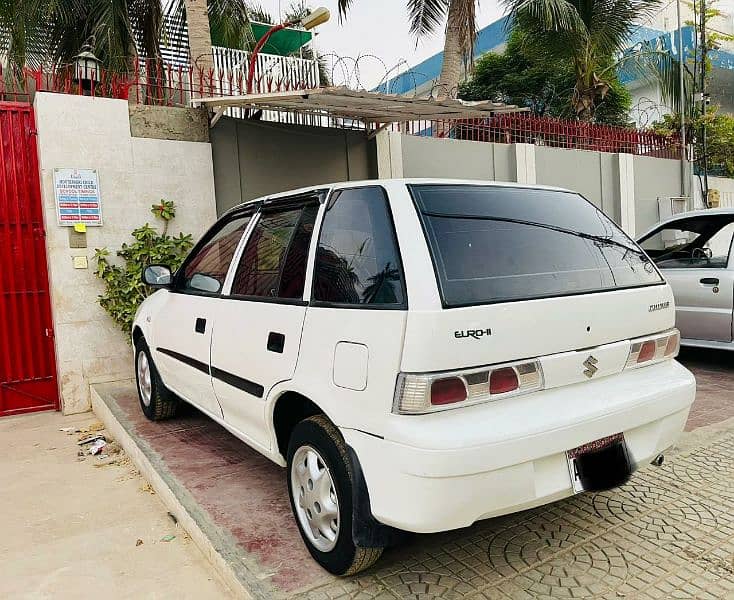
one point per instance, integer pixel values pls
(701, 213)
(388, 183)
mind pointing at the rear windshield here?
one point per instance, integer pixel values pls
(496, 244)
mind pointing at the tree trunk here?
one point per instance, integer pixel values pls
(589, 91)
(453, 53)
(200, 40)
(584, 102)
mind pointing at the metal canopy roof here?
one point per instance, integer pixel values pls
(369, 107)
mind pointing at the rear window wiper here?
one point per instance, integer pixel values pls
(588, 236)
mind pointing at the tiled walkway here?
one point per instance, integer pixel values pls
(668, 533)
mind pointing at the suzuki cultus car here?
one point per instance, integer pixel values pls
(419, 354)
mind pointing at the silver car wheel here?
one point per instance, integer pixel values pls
(315, 499)
(145, 384)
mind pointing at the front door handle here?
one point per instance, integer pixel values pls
(200, 326)
(710, 281)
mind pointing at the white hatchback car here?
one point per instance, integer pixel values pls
(420, 354)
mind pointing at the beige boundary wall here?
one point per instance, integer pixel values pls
(133, 172)
(624, 186)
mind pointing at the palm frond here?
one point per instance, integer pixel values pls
(659, 67)
(427, 15)
(229, 23)
(344, 6)
(256, 12)
(146, 19)
(549, 15)
(296, 11)
(611, 22)
(229, 20)
(107, 20)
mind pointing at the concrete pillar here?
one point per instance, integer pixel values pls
(389, 154)
(525, 163)
(627, 192)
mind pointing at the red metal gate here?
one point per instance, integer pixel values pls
(27, 359)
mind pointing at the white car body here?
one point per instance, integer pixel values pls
(446, 469)
(703, 285)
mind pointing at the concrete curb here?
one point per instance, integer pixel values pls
(224, 568)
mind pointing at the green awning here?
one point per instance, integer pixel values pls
(284, 42)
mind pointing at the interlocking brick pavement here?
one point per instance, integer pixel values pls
(668, 533)
(714, 371)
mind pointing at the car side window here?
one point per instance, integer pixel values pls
(357, 260)
(206, 270)
(718, 246)
(708, 248)
(273, 264)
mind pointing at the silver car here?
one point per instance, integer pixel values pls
(693, 252)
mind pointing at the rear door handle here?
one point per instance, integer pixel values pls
(200, 326)
(710, 281)
(276, 342)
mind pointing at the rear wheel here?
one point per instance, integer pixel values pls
(156, 400)
(320, 487)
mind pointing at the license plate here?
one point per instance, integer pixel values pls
(572, 456)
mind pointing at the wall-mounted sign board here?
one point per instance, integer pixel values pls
(77, 197)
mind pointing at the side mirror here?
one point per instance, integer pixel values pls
(157, 276)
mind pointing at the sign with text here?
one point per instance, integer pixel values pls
(77, 197)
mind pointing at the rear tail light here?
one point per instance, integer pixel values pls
(654, 349)
(647, 351)
(502, 381)
(424, 393)
(449, 390)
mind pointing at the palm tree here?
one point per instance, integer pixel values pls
(461, 31)
(200, 39)
(593, 34)
(21, 35)
(226, 21)
(33, 32)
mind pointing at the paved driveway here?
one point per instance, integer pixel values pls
(714, 371)
(669, 533)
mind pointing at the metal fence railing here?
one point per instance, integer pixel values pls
(512, 128)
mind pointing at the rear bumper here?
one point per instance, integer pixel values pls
(447, 470)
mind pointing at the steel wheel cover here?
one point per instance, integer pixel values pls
(314, 498)
(145, 385)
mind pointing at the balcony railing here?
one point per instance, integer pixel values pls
(272, 73)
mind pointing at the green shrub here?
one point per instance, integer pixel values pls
(124, 287)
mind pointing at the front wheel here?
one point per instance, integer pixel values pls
(157, 401)
(320, 487)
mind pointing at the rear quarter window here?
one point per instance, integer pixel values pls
(495, 244)
(357, 259)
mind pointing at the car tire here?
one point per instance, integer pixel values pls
(157, 401)
(317, 448)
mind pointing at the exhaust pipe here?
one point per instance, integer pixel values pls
(658, 460)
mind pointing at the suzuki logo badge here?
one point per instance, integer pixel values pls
(590, 364)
